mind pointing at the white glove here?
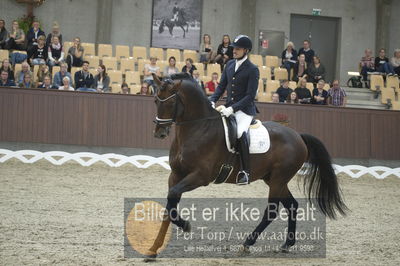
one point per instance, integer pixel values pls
(227, 112)
(213, 104)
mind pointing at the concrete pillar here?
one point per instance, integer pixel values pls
(248, 18)
(383, 12)
(104, 21)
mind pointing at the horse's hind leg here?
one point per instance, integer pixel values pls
(184, 32)
(291, 205)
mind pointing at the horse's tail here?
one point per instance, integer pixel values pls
(161, 28)
(320, 180)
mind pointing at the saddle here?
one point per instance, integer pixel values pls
(232, 130)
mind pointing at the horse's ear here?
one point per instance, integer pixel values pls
(156, 79)
(177, 85)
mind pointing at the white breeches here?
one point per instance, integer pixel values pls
(243, 121)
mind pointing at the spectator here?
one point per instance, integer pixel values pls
(5, 65)
(292, 98)
(382, 63)
(27, 83)
(337, 95)
(102, 80)
(171, 68)
(189, 67)
(395, 61)
(145, 89)
(284, 90)
(54, 33)
(75, 54)
(58, 77)
(17, 38)
(303, 93)
(224, 52)
(38, 53)
(367, 64)
(55, 52)
(300, 69)
(316, 71)
(320, 96)
(43, 71)
(275, 97)
(196, 77)
(149, 69)
(47, 84)
(3, 34)
(25, 68)
(206, 50)
(289, 57)
(307, 51)
(125, 89)
(84, 79)
(66, 85)
(212, 84)
(4, 80)
(33, 35)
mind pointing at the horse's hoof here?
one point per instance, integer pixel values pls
(244, 250)
(187, 227)
(150, 258)
(284, 248)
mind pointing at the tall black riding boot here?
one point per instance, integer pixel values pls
(243, 177)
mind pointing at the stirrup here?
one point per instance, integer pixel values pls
(244, 178)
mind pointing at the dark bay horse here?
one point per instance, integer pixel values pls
(181, 22)
(198, 151)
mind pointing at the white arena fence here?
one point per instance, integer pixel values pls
(144, 161)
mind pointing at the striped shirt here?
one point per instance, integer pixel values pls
(337, 96)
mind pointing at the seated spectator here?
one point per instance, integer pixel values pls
(75, 55)
(319, 95)
(300, 69)
(307, 51)
(43, 71)
(316, 71)
(367, 64)
(145, 89)
(66, 85)
(171, 68)
(47, 84)
(3, 34)
(54, 33)
(303, 93)
(102, 80)
(27, 83)
(292, 98)
(38, 54)
(206, 50)
(275, 97)
(4, 80)
(149, 69)
(212, 84)
(289, 58)
(382, 63)
(33, 35)
(58, 77)
(196, 77)
(224, 52)
(125, 89)
(5, 65)
(84, 79)
(189, 67)
(337, 95)
(17, 38)
(55, 52)
(25, 68)
(284, 90)
(395, 61)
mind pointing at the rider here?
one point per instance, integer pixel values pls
(240, 79)
(175, 12)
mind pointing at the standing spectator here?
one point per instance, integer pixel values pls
(27, 82)
(316, 71)
(206, 50)
(367, 64)
(55, 52)
(43, 72)
(300, 69)
(25, 68)
(320, 96)
(66, 85)
(5, 65)
(303, 93)
(33, 35)
(58, 77)
(275, 97)
(38, 54)
(3, 34)
(307, 51)
(102, 80)
(395, 61)
(189, 67)
(212, 84)
(17, 38)
(284, 90)
(337, 95)
(149, 69)
(292, 98)
(4, 80)
(196, 78)
(75, 54)
(145, 89)
(224, 52)
(171, 68)
(382, 63)
(47, 84)
(125, 89)
(84, 79)
(289, 57)
(54, 33)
